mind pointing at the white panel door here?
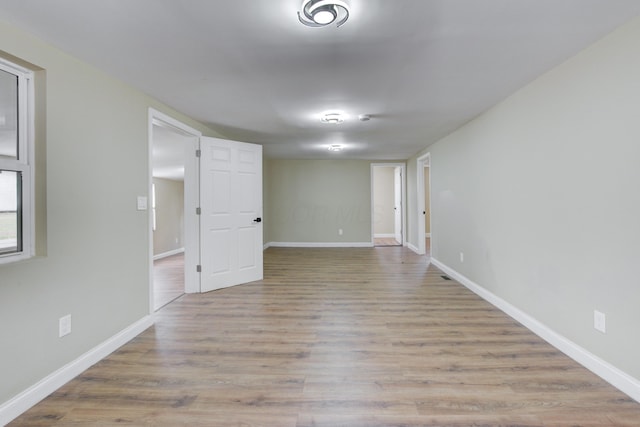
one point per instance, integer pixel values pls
(397, 184)
(231, 213)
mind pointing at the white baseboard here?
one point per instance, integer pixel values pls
(384, 235)
(614, 376)
(427, 235)
(414, 248)
(167, 254)
(266, 246)
(20, 403)
(321, 244)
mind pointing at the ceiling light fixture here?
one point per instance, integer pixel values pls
(332, 118)
(320, 13)
(335, 147)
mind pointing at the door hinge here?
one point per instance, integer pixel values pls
(198, 153)
(198, 210)
(199, 268)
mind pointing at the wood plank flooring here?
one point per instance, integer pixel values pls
(385, 241)
(337, 337)
(168, 280)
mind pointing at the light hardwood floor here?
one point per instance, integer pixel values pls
(385, 241)
(337, 337)
(168, 280)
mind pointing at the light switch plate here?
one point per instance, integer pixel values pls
(142, 203)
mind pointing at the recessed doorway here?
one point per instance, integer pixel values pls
(172, 148)
(167, 210)
(387, 204)
(424, 205)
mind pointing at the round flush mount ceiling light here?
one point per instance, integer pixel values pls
(332, 118)
(335, 147)
(320, 13)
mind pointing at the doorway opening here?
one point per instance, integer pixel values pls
(425, 243)
(387, 204)
(172, 247)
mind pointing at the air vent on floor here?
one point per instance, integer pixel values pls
(446, 277)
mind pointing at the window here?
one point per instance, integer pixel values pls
(16, 227)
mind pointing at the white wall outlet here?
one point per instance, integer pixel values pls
(461, 256)
(339, 231)
(64, 326)
(599, 321)
(142, 203)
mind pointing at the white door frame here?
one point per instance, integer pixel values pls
(191, 195)
(398, 197)
(404, 198)
(421, 163)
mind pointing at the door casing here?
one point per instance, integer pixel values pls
(403, 167)
(421, 163)
(191, 195)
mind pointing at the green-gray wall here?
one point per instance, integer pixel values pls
(309, 200)
(541, 194)
(95, 264)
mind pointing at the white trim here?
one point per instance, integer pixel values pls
(20, 403)
(619, 379)
(384, 235)
(25, 163)
(191, 197)
(404, 196)
(427, 235)
(266, 246)
(168, 254)
(421, 163)
(414, 248)
(321, 244)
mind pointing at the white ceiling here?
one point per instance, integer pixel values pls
(248, 68)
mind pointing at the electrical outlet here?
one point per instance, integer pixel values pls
(339, 231)
(64, 326)
(599, 321)
(461, 256)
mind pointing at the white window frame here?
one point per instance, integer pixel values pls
(24, 163)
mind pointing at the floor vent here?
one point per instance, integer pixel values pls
(446, 277)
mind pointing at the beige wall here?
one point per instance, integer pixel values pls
(96, 263)
(541, 195)
(383, 200)
(309, 200)
(169, 233)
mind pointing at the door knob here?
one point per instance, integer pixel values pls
(257, 220)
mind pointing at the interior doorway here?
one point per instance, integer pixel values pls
(167, 211)
(387, 204)
(172, 193)
(425, 243)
